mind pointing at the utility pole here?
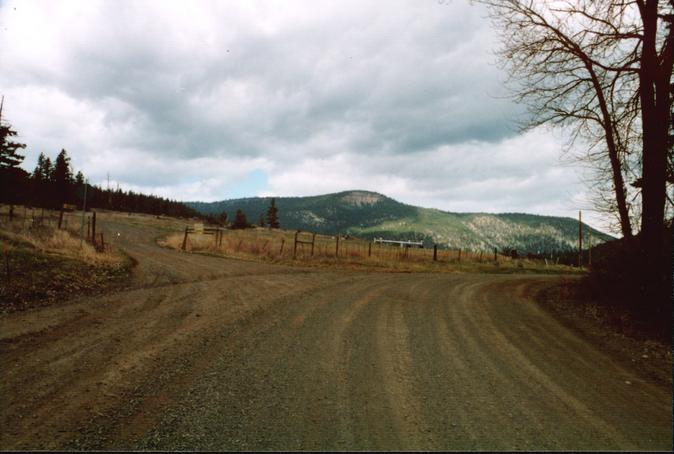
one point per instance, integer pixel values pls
(580, 240)
(84, 212)
(2, 103)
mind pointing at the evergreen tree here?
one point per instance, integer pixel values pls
(38, 174)
(46, 168)
(63, 179)
(9, 150)
(47, 178)
(79, 189)
(240, 221)
(272, 215)
(13, 179)
(42, 182)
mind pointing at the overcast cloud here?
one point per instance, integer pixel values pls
(214, 100)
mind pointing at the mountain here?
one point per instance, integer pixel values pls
(369, 215)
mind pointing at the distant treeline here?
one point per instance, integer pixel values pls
(52, 184)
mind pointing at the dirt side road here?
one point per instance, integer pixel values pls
(206, 353)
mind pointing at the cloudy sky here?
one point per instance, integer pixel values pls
(224, 99)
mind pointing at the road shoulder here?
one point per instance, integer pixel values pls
(649, 357)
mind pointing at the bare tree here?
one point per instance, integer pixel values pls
(602, 69)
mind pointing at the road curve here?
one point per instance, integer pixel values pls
(206, 353)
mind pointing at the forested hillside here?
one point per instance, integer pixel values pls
(370, 215)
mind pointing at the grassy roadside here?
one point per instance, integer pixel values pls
(44, 266)
(355, 255)
(612, 328)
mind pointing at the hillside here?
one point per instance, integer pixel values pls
(369, 215)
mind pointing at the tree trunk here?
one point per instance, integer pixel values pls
(616, 168)
(655, 105)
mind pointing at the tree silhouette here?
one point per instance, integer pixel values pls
(9, 150)
(240, 221)
(13, 179)
(63, 179)
(52, 184)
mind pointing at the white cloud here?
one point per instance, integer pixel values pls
(185, 99)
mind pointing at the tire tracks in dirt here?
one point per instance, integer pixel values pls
(414, 362)
(209, 353)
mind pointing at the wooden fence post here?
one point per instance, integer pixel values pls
(435, 252)
(184, 246)
(88, 228)
(93, 229)
(102, 243)
(295, 245)
(337, 247)
(495, 255)
(283, 241)
(459, 254)
(480, 257)
(369, 249)
(313, 241)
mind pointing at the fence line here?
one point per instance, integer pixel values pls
(29, 218)
(308, 245)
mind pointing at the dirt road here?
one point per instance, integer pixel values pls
(206, 353)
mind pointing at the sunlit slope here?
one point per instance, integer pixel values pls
(370, 215)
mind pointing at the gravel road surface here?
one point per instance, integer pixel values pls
(207, 353)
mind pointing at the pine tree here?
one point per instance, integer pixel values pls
(63, 179)
(79, 188)
(13, 179)
(240, 221)
(41, 181)
(9, 150)
(272, 215)
(37, 173)
(46, 168)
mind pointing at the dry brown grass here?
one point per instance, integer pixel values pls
(277, 246)
(39, 229)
